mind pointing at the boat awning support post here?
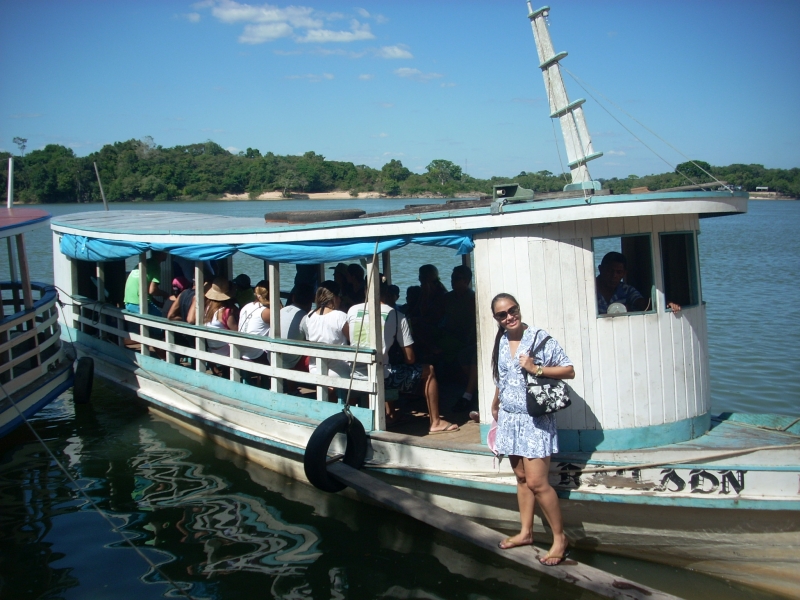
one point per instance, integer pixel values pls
(27, 291)
(143, 305)
(387, 266)
(275, 358)
(376, 341)
(200, 311)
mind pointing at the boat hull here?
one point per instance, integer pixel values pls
(758, 545)
(34, 397)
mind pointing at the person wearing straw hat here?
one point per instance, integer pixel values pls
(220, 313)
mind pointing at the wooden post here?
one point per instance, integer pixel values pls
(200, 311)
(466, 260)
(100, 271)
(12, 263)
(373, 306)
(275, 358)
(143, 290)
(102, 193)
(387, 266)
(321, 273)
(27, 292)
(10, 201)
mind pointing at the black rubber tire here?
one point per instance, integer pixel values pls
(316, 456)
(84, 378)
(312, 216)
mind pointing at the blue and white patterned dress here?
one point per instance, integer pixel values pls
(518, 433)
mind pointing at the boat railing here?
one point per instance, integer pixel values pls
(29, 337)
(181, 343)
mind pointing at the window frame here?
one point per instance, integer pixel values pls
(693, 266)
(653, 292)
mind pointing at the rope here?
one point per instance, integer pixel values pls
(370, 282)
(622, 110)
(93, 504)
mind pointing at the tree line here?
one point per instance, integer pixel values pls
(141, 170)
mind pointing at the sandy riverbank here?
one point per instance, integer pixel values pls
(310, 196)
(340, 195)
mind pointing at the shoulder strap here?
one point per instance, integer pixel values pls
(539, 346)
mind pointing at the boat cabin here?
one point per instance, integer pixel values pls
(642, 375)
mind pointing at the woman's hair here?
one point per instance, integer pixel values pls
(262, 291)
(326, 295)
(212, 306)
(500, 332)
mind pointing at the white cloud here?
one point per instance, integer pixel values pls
(363, 12)
(322, 36)
(264, 32)
(365, 76)
(396, 51)
(448, 84)
(383, 135)
(312, 77)
(232, 149)
(416, 74)
(616, 153)
(192, 17)
(229, 11)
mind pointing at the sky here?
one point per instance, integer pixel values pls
(408, 80)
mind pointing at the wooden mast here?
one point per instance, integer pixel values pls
(577, 140)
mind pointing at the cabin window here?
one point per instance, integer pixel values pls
(623, 274)
(679, 267)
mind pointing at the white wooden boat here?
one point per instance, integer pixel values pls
(33, 368)
(644, 469)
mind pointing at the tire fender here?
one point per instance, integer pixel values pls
(84, 378)
(315, 459)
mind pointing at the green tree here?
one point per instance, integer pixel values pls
(695, 170)
(443, 171)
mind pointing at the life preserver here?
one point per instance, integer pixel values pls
(84, 378)
(313, 216)
(315, 458)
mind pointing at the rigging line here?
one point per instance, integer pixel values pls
(553, 122)
(630, 116)
(370, 282)
(645, 127)
(93, 504)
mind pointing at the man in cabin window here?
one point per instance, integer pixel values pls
(612, 289)
(153, 279)
(405, 376)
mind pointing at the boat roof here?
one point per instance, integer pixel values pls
(15, 220)
(197, 228)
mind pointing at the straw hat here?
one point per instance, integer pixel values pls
(219, 290)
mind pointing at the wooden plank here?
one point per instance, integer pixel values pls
(373, 307)
(486, 327)
(654, 383)
(623, 369)
(640, 404)
(584, 261)
(276, 359)
(538, 292)
(570, 571)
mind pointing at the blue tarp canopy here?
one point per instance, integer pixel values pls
(308, 253)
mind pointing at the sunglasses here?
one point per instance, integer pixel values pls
(503, 315)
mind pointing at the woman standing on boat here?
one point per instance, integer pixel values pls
(528, 441)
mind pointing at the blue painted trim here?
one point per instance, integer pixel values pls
(47, 399)
(283, 405)
(445, 213)
(485, 427)
(536, 13)
(590, 440)
(552, 60)
(651, 499)
(569, 107)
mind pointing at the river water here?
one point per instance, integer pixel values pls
(224, 528)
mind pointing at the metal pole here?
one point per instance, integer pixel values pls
(10, 181)
(102, 193)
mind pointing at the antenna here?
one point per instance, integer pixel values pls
(577, 140)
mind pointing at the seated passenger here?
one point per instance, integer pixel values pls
(179, 285)
(410, 308)
(153, 279)
(611, 288)
(220, 313)
(394, 295)
(254, 319)
(243, 291)
(299, 305)
(402, 377)
(357, 283)
(326, 324)
(429, 312)
(458, 333)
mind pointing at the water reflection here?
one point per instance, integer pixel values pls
(219, 526)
